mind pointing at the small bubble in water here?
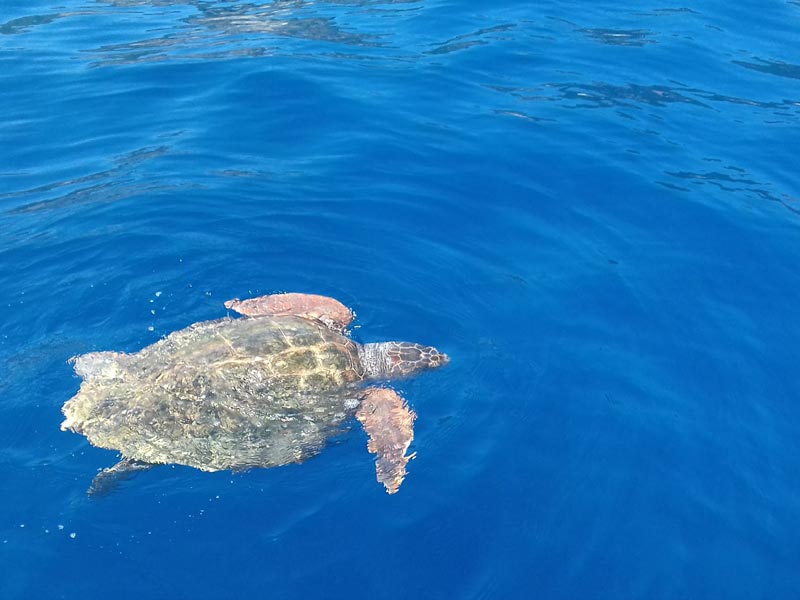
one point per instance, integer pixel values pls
(151, 328)
(152, 312)
(158, 294)
(73, 535)
(60, 527)
(22, 524)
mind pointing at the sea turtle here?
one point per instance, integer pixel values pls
(264, 390)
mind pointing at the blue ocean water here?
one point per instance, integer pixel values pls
(592, 207)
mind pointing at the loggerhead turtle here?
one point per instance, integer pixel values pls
(234, 393)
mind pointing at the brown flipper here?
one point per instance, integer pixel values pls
(107, 480)
(329, 311)
(390, 424)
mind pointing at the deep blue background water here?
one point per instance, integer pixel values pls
(594, 208)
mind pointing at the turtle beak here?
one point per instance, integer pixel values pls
(434, 358)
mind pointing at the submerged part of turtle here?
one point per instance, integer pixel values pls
(261, 391)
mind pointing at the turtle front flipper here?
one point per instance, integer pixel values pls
(389, 422)
(328, 311)
(109, 479)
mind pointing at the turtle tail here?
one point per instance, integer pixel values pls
(99, 365)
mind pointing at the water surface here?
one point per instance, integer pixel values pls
(592, 207)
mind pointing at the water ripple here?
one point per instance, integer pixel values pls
(620, 37)
(104, 186)
(592, 208)
(773, 67)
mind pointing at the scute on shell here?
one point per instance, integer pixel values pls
(224, 394)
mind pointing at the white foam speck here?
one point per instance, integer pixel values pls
(73, 535)
(22, 524)
(151, 328)
(60, 527)
(158, 294)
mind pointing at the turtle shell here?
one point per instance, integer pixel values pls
(223, 394)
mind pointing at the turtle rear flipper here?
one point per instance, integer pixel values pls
(109, 479)
(327, 311)
(390, 424)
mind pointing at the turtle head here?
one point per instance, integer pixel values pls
(399, 359)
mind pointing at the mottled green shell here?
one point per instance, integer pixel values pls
(224, 394)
